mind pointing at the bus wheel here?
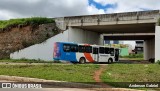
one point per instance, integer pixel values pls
(82, 60)
(110, 60)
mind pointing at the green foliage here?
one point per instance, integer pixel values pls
(25, 21)
(158, 62)
(133, 56)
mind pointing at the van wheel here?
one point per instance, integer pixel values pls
(82, 60)
(110, 60)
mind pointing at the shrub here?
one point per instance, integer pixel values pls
(158, 62)
(133, 56)
(25, 21)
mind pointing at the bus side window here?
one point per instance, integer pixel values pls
(101, 50)
(66, 48)
(74, 48)
(88, 49)
(81, 48)
(112, 51)
(95, 50)
(106, 50)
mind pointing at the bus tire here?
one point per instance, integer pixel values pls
(82, 60)
(110, 60)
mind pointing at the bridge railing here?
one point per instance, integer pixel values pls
(107, 17)
(149, 14)
(127, 16)
(115, 17)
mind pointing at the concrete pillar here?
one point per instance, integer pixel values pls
(101, 39)
(153, 48)
(149, 49)
(157, 43)
(145, 50)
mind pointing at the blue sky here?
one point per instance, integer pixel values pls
(100, 6)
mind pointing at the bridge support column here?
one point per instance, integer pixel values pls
(101, 39)
(149, 49)
(157, 43)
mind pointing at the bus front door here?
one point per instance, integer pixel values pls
(95, 54)
(116, 54)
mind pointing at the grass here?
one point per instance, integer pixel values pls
(133, 56)
(23, 60)
(24, 21)
(71, 73)
(131, 73)
(136, 59)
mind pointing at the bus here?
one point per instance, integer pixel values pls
(84, 53)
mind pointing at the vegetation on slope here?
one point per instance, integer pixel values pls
(24, 21)
(17, 34)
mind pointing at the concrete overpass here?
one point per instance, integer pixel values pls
(142, 25)
(93, 29)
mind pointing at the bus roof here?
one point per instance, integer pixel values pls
(94, 45)
(66, 43)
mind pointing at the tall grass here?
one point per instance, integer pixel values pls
(130, 73)
(24, 21)
(133, 56)
(71, 73)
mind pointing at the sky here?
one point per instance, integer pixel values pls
(59, 8)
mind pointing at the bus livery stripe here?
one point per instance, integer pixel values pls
(88, 57)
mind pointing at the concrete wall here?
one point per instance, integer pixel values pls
(44, 50)
(83, 36)
(157, 43)
(149, 49)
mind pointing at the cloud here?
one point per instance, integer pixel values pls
(128, 6)
(46, 8)
(59, 8)
(93, 10)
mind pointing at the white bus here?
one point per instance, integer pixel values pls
(83, 53)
